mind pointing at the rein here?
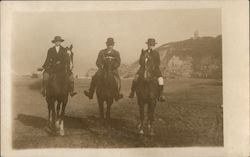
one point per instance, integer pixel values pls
(148, 69)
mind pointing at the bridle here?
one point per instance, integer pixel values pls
(148, 70)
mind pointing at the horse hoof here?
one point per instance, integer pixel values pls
(49, 126)
(61, 133)
(139, 126)
(57, 125)
(141, 132)
(152, 133)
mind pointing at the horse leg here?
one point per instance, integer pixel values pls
(49, 114)
(58, 117)
(151, 109)
(53, 115)
(108, 111)
(62, 118)
(58, 109)
(141, 112)
(101, 109)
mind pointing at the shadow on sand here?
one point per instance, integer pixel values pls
(72, 122)
(40, 123)
(122, 131)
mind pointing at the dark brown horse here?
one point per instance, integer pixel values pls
(106, 89)
(147, 93)
(58, 91)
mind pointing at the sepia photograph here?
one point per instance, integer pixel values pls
(117, 78)
(157, 74)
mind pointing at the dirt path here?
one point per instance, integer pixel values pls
(192, 116)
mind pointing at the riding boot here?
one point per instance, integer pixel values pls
(72, 92)
(161, 96)
(118, 96)
(44, 87)
(133, 87)
(45, 82)
(91, 90)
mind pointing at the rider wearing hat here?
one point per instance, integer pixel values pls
(154, 55)
(56, 56)
(108, 52)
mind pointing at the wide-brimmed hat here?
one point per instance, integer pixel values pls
(110, 41)
(57, 38)
(151, 41)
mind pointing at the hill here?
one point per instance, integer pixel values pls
(195, 57)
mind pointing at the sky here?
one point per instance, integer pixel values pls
(32, 33)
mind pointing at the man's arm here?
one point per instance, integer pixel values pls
(47, 60)
(157, 60)
(117, 62)
(99, 61)
(142, 60)
(141, 63)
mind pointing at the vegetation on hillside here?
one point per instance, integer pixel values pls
(195, 57)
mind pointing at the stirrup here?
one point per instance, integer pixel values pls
(162, 98)
(131, 95)
(72, 93)
(120, 96)
(43, 92)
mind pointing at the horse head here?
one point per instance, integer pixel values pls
(107, 83)
(71, 55)
(149, 69)
(108, 62)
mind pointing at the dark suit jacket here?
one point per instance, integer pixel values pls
(56, 61)
(155, 61)
(100, 62)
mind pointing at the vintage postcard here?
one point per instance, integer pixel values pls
(125, 78)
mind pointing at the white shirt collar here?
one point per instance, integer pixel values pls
(57, 48)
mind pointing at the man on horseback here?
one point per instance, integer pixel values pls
(57, 59)
(109, 52)
(154, 56)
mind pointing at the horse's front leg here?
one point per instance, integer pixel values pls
(101, 109)
(61, 131)
(151, 110)
(108, 110)
(141, 112)
(58, 107)
(58, 116)
(52, 105)
(49, 114)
